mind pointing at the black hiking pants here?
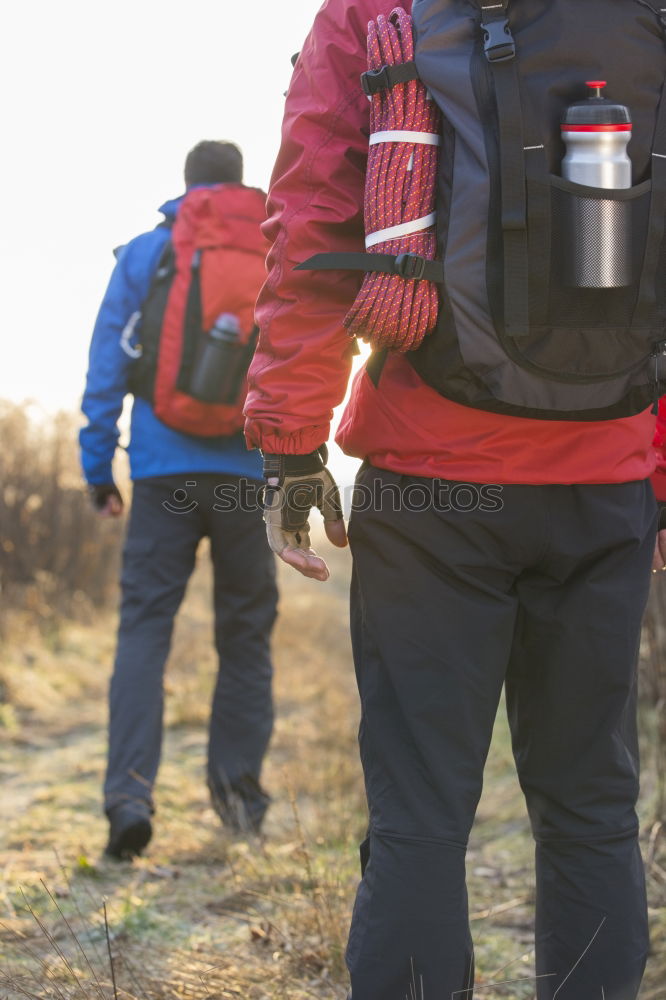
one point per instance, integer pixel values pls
(546, 596)
(168, 519)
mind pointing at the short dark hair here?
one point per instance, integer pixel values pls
(212, 162)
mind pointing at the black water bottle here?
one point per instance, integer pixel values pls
(214, 376)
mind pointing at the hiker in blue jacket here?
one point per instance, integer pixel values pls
(175, 479)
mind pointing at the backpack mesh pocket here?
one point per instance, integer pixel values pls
(597, 246)
(599, 234)
(586, 332)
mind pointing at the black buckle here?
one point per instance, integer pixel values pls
(387, 76)
(375, 80)
(410, 266)
(498, 43)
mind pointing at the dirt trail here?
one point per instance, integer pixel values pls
(203, 916)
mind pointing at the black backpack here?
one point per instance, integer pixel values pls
(513, 336)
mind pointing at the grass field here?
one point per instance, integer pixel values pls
(203, 916)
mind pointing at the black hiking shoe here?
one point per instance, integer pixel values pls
(130, 830)
(241, 808)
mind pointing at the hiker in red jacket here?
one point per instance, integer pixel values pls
(539, 583)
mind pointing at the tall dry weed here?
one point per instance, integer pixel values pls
(653, 687)
(55, 553)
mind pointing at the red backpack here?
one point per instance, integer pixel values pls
(212, 267)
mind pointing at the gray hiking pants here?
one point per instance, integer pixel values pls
(169, 517)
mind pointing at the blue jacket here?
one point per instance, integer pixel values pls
(154, 448)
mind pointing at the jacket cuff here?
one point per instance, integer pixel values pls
(281, 466)
(300, 442)
(99, 476)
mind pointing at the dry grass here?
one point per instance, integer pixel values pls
(203, 916)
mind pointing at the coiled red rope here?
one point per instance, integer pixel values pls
(389, 311)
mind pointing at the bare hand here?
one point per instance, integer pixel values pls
(113, 507)
(302, 482)
(307, 562)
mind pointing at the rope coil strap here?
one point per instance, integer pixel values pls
(398, 302)
(403, 135)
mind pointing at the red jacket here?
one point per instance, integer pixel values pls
(302, 365)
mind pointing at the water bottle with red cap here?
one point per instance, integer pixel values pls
(596, 132)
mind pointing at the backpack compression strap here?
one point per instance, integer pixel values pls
(192, 325)
(409, 266)
(500, 52)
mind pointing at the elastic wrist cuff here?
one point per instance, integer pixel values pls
(280, 466)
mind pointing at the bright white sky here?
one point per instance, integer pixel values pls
(101, 103)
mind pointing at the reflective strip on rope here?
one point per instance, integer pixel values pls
(402, 135)
(396, 232)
